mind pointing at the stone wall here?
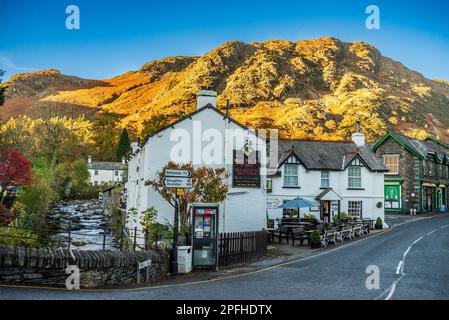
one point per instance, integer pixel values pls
(97, 268)
(408, 171)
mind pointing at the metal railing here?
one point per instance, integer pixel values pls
(120, 238)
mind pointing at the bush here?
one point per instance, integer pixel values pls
(379, 222)
(315, 236)
(344, 216)
(25, 238)
(309, 217)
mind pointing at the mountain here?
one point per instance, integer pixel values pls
(307, 89)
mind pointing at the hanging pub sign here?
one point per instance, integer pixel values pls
(246, 169)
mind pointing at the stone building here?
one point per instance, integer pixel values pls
(418, 174)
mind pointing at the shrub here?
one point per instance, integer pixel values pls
(344, 216)
(315, 236)
(18, 237)
(379, 222)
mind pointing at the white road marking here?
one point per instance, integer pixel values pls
(400, 267)
(390, 295)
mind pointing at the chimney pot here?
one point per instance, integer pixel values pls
(206, 96)
(358, 137)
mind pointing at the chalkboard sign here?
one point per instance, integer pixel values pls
(246, 169)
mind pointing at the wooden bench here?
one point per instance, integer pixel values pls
(299, 234)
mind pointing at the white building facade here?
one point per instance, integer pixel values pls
(338, 176)
(105, 173)
(205, 138)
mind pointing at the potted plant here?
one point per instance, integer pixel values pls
(379, 224)
(315, 239)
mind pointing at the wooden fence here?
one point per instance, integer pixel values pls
(241, 247)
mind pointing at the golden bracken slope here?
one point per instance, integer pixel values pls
(309, 89)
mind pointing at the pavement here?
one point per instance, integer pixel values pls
(409, 261)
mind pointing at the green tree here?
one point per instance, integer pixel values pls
(2, 90)
(105, 136)
(124, 145)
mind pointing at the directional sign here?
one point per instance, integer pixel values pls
(178, 173)
(144, 264)
(180, 183)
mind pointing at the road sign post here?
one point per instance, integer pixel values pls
(179, 180)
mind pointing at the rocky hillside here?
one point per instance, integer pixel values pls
(307, 89)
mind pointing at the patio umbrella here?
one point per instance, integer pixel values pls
(299, 203)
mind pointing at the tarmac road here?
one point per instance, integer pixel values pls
(412, 258)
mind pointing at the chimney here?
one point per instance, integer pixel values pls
(134, 147)
(206, 96)
(358, 137)
(89, 159)
(123, 160)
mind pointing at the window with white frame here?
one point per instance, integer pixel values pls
(355, 209)
(96, 173)
(291, 176)
(325, 179)
(354, 177)
(392, 163)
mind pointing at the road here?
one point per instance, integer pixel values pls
(412, 259)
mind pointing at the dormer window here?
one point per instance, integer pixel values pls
(291, 176)
(354, 177)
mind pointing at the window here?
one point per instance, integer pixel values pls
(116, 173)
(96, 172)
(355, 177)
(355, 209)
(392, 163)
(291, 176)
(325, 183)
(431, 168)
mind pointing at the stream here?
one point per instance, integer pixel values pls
(87, 223)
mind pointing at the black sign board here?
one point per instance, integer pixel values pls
(246, 169)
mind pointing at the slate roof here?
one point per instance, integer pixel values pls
(422, 148)
(106, 166)
(327, 155)
(208, 106)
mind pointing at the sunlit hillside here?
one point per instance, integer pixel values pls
(308, 89)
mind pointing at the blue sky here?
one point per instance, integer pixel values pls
(118, 36)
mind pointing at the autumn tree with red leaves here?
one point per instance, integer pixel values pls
(14, 167)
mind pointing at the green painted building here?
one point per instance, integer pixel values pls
(418, 176)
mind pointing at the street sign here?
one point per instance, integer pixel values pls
(178, 173)
(144, 264)
(178, 183)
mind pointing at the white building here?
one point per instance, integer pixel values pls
(245, 207)
(102, 173)
(340, 176)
